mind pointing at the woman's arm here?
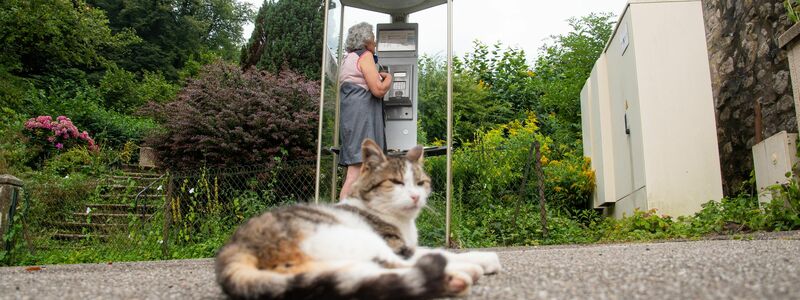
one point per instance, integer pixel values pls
(376, 86)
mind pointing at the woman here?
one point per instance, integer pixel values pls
(361, 109)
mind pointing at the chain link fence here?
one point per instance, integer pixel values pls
(151, 214)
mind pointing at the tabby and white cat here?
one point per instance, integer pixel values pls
(365, 247)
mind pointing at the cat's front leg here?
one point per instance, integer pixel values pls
(488, 261)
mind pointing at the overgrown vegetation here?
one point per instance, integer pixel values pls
(792, 10)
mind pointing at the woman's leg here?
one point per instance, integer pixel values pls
(352, 173)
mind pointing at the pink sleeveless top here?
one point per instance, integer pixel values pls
(351, 71)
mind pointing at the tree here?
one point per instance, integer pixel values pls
(561, 71)
(176, 31)
(39, 37)
(287, 34)
(505, 73)
(473, 108)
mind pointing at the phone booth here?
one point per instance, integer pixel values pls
(398, 51)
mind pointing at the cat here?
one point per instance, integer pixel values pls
(364, 247)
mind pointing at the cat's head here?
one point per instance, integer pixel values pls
(392, 185)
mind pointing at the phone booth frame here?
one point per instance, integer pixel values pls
(397, 12)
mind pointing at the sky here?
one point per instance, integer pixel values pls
(526, 24)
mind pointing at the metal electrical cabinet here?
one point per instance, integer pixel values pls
(773, 158)
(648, 113)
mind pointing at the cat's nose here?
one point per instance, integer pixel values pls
(415, 198)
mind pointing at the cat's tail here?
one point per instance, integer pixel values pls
(238, 274)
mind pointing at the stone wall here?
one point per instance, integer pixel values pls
(747, 70)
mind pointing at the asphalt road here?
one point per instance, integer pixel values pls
(712, 269)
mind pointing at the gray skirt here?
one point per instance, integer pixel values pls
(360, 118)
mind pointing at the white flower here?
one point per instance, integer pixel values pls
(88, 210)
(66, 177)
(191, 191)
(160, 241)
(159, 188)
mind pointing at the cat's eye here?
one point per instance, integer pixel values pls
(395, 181)
(421, 182)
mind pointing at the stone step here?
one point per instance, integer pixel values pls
(99, 217)
(78, 236)
(131, 187)
(135, 177)
(74, 225)
(138, 168)
(140, 175)
(131, 196)
(120, 208)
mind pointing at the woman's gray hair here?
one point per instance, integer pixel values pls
(358, 36)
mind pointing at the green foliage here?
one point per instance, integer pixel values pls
(792, 10)
(642, 225)
(52, 36)
(14, 151)
(504, 73)
(13, 89)
(487, 177)
(287, 34)
(494, 85)
(118, 90)
(123, 93)
(561, 71)
(174, 31)
(473, 109)
(84, 105)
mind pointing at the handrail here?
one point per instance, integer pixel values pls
(136, 200)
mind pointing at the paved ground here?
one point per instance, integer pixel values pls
(721, 269)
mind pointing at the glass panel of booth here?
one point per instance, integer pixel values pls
(332, 52)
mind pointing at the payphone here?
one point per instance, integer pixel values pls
(398, 52)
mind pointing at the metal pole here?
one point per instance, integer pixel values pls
(340, 57)
(449, 120)
(321, 101)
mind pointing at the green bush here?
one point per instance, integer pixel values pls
(487, 176)
(122, 92)
(84, 105)
(14, 151)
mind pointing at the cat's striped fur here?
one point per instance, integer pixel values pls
(362, 248)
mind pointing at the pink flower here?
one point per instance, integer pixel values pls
(59, 146)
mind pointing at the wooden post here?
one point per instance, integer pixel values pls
(540, 176)
(759, 125)
(167, 216)
(524, 183)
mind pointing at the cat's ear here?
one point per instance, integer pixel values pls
(415, 154)
(371, 153)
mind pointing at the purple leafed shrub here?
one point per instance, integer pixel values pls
(59, 134)
(228, 118)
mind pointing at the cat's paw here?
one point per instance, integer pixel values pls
(489, 261)
(457, 284)
(473, 270)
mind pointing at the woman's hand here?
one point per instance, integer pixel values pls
(377, 83)
(386, 76)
